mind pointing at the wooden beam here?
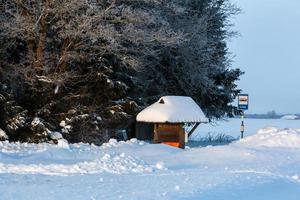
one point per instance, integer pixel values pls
(193, 129)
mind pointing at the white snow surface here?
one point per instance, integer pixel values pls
(55, 135)
(102, 162)
(273, 137)
(262, 166)
(173, 109)
(290, 117)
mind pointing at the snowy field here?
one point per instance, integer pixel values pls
(265, 165)
(232, 126)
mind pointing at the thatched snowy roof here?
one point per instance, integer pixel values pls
(173, 109)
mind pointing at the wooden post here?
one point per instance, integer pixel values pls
(181, 138)
(155, 137)
(193, 129)
(242, 125)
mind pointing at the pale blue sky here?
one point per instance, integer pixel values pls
(268, 50)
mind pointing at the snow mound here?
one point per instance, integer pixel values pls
(22, 148)
(66, 159)
(62, 143)
(114, 143)
(55, 135)
(116, 164)
(273, 137)
(290, 117)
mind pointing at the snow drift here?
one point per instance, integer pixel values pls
(267, 163)
(290, 117)
(273, 137)
(76, 159)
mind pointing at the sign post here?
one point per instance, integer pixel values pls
(242, 125)
(243, 104)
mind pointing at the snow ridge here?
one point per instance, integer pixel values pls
(273, 137)
(118, 164)
(76, 159)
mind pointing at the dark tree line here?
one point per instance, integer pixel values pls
(86, 67)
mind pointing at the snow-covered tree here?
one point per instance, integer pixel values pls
(96, 63)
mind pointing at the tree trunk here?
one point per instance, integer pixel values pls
(43, 29)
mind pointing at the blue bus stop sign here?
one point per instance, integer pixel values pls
(243, 103)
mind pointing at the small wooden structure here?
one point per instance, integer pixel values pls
(171, 134)
(163, 121)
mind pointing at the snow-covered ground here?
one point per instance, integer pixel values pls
(290, 117)
(265, 166)
(232, 126)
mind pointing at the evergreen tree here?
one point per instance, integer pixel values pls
(95, 63)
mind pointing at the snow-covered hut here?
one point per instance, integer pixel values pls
(163, 121)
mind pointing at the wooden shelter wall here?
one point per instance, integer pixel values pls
(144, 131)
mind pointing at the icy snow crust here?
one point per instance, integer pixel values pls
(263, 166)
(173, 109)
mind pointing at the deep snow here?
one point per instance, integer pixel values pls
(263, 166)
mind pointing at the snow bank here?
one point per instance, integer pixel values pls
(22, 148)
(71, 159)
(273, 137)
(134, 169)
(118, 164)
(290, 117)
(55, 135)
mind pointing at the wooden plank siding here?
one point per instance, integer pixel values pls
(171, 134)
(144, 131)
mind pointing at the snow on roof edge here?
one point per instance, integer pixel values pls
(173, 109)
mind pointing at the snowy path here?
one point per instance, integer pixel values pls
(263, 166)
